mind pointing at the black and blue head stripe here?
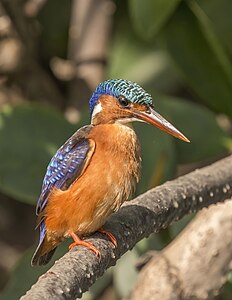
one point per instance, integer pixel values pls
(117, 87)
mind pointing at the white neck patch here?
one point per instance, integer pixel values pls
(97, 109)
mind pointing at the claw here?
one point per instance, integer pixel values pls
(78, 241)
(110, 236)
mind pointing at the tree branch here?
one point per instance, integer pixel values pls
(77, 270)
(195, 264)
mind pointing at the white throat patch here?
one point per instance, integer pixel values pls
(97, 109)
(125, 121)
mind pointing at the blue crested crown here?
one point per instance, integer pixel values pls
(117, 87)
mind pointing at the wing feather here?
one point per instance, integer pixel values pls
(67, 165)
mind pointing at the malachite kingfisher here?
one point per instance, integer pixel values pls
(97, 168)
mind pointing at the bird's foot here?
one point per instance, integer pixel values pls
(78, 241)
(110, 236)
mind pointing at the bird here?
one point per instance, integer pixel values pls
(96, 169)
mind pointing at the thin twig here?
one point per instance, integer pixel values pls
(77, 270)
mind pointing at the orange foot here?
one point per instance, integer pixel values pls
(78, 241)
(110, 236)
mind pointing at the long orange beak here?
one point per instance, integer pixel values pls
(153, 118)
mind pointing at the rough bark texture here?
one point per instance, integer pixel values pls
(195, 265)
(76, 271)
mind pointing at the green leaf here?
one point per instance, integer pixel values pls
(197, 52)
(219, 12)
(215, 43)
(135, 59)
(158, 156)
(149, 16)
(207, 139)
(29, 136)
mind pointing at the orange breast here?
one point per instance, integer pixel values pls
(109, 179)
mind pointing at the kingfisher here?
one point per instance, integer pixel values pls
(96, 169)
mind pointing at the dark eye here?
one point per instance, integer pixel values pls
(123, 101)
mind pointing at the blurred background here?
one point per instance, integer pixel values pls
(52, 56)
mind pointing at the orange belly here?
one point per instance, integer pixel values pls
(108, 180)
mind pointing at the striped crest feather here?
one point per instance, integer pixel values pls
(117, 87)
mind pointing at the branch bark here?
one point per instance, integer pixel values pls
(77, 270)
(195, 264)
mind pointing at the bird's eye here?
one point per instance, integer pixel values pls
(123, 101)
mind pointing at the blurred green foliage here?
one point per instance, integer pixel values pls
(29, 136)
(180, 48)
(149, 17)
(201, 58)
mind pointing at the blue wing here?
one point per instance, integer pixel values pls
(66, 165)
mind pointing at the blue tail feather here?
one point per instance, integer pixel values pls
(41, 257)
